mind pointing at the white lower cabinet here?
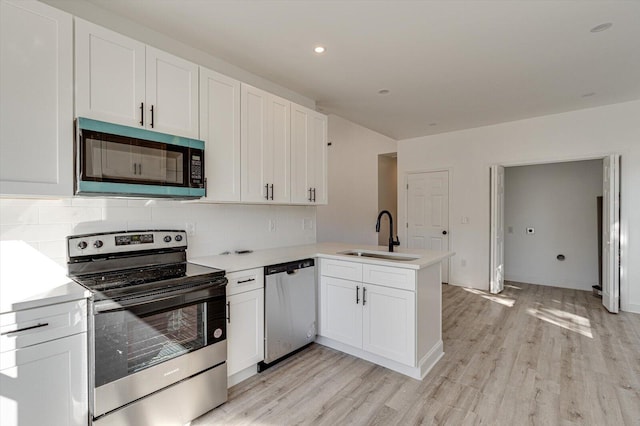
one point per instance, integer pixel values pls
(377, 319)
(43, 366)
(388, 325)
(245, 323)
(245, 330)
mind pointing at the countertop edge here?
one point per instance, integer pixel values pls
(260, 258)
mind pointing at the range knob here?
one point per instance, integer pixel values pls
(82, 245)
(178, 238)
(98, 244)
(167, 239)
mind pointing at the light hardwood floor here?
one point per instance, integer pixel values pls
(532, 355)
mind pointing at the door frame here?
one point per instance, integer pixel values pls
(405, 189)
(622, 232)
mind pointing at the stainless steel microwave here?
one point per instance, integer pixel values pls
(125, 161)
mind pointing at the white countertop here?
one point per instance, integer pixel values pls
(260, 258)
(29, 279)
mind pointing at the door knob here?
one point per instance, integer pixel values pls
(444, 232)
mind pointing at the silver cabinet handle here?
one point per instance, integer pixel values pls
(271, 192)
(314, 195)
(246, 281)
(310, 195)
(364, 296)
(266, 187)
(357, 295)
(18, 330)
(152, 116)
(142, 114)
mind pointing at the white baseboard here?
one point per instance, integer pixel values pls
(630, 307)
(425, 365)
(242, 375)
(535, 281)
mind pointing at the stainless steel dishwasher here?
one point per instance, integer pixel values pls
(290, 309)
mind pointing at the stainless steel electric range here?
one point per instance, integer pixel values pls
(157, 346)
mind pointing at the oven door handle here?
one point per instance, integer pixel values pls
(147, 304)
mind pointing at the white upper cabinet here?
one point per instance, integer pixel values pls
(172, 94)
(110, 75)
(265, 146)
(220, 130)
(123, 81)
(308, 156)
(36, 101)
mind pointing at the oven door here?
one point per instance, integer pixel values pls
(142, 348)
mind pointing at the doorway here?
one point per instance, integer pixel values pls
(387, 194)
(544, 225)
(428, 213)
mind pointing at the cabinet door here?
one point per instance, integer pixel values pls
(220, 129)
(254, 144)
(45, 384)
(245, 330)
(341, 310)
(278, 154)
(172, 92)
(110, 75)
(389, 323)
(36, 105)
(308, 156)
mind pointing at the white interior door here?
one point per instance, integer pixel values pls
(611, 233)
(428, 213)
(497, 229)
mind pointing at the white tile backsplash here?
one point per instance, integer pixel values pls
(219, 227)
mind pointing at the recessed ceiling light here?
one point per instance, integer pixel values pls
(601, 27)
(383, 91)
(319, 49)
(586, 95)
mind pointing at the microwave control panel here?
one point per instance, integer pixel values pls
(196, 169)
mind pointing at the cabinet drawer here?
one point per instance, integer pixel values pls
(32, 326)
(390, 277)
(341, 269)
(241, 281)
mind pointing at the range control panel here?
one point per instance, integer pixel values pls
(124, 242)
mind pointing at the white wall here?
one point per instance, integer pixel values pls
(122, 25)
(219, 227)
(353, 183)
(559, 200)
(587, 133)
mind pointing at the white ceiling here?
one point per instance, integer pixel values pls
(449, 65)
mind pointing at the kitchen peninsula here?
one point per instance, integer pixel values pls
(382, 307)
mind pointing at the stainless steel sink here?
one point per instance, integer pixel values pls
(380, 255)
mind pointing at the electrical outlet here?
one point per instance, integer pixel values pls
(464, 220)
(190, 228)
(272, 225)
(307, 223)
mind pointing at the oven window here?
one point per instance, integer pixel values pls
(126, 343)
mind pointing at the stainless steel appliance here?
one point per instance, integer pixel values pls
(157, 330)
(290, 309)
(120, 160)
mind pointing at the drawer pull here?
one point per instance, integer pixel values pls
(25, 329)
(246, 281)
